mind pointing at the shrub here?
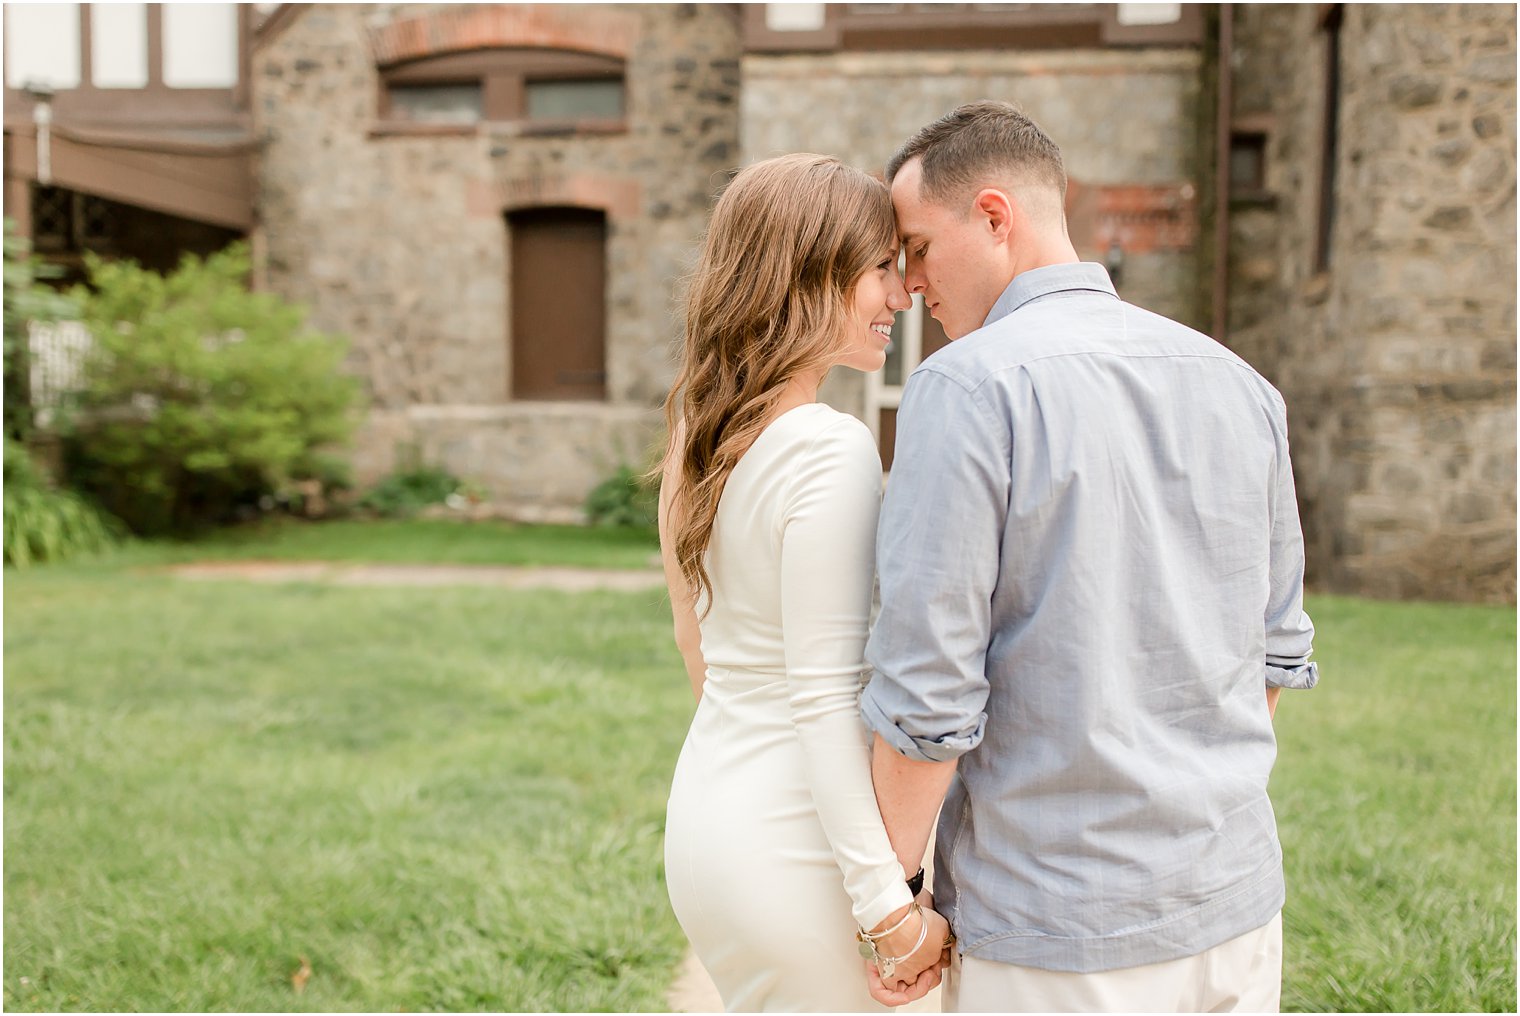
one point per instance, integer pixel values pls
(199, 396)
(43, 524)
(410, 489)
(626, 498)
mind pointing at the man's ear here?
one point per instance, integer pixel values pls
(997, 210)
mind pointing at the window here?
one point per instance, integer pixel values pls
(558, 274)
(119, 45)
(1332, 29)
(42, 45)
(532, 89)
(916, 335)
(1248, 164)
(574, 100)
(437, 103)
(200, 45)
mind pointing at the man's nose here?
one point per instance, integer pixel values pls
(913, 278)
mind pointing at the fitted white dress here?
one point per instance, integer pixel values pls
(774, 847)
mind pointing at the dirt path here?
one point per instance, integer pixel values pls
(574, 580)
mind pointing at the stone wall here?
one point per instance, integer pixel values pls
(1398, 361)
(400, 241)
(1126, 122)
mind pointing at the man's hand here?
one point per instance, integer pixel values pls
(920, 970)
(894, 997)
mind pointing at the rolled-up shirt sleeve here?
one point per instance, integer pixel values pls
(938, 561)
(1290, 633)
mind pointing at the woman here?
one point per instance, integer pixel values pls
(775, 850)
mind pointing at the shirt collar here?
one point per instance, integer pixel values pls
(1029, 286)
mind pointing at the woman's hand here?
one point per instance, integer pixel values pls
(920, 947)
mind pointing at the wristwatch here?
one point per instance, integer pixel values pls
(916, 883)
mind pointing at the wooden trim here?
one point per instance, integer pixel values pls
(1187, 30)
(242, 92)
(535, 63)
(504, 75)
(758, 38)
(86, 46)
(965, 26)
(272, 27)
(212, 187)
(1330, 23)
(1254, 123)
(412, 128)
(156, 47)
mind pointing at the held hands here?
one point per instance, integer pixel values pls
(913, 954)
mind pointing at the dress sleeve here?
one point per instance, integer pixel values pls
(827, 569)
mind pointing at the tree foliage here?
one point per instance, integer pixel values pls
(199, 396)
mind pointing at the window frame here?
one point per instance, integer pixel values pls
(504, 74)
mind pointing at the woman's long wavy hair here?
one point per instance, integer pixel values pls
(770, 300)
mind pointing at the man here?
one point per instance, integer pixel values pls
(1092, 579)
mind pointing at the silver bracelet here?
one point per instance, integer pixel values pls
(885, 965)
(872, 936)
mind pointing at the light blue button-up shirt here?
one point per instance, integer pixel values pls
(1091, 571)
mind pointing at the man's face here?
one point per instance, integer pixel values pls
(952, 256)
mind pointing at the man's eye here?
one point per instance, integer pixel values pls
(921, 251)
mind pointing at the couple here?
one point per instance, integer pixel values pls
(1091, 575)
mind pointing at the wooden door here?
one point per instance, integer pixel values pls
(559, 318)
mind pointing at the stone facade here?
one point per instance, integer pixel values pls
(400, 242)
(1398, 359)
(1126, 121)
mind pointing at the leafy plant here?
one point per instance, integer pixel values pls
(25, 301)
(199, 396)
(411, 489)
(626, 498)
(44, 524)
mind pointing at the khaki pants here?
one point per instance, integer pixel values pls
(1241, 975)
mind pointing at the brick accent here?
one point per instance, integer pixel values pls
(620, 197)
(452, 30)
(1143, 219)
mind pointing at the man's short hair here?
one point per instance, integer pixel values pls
(978, 144)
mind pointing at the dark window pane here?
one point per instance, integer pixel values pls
(436, 103)
(600, 98)
(1248, 162)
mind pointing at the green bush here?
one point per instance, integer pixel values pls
(625, 498)
(410, 489)
(200, 397)
(43, 524)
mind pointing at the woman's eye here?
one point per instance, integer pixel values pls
(886, 264)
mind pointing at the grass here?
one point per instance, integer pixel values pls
(398, 541)
(453, 798)
(1395, 798)
(450, 799)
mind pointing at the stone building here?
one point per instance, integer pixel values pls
(497, 203)
(494, 202)
(1118, 86)
(1371, 276)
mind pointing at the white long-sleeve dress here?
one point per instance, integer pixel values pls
(774, 846)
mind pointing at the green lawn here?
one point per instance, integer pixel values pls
(443, 799)
(1395, 798)
(422, 541)
(453, 798)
